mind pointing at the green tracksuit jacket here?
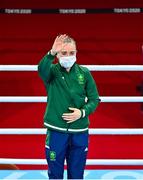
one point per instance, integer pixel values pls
(64, 90)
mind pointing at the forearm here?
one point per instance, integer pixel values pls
(92, 96)
(45, 67)
(90, 107)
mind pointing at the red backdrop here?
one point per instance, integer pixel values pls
(101, 39)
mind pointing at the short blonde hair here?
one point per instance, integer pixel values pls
(69, 39)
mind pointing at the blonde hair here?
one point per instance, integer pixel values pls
(69, 39)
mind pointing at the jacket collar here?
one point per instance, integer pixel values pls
(64, 70)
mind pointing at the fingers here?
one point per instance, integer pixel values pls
(68, 114)
(68, 117)
(58, 43)
(61, 37)
(71, 117)
(73, 109)
(71, 121)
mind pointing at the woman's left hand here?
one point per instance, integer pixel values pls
(71, 117)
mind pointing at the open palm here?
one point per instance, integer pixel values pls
(58, 43)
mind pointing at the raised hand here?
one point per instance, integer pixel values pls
(58, 44)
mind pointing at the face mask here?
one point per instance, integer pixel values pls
(67, 61)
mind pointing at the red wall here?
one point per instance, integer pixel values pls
(101, 39)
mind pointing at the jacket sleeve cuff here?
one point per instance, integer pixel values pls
(82, 113)
(50, 55)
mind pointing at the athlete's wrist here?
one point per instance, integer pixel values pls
(53, 52)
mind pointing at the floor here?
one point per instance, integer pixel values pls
(89, 174)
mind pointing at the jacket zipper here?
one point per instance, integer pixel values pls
(69, 88)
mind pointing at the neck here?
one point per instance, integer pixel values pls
(68, 69)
